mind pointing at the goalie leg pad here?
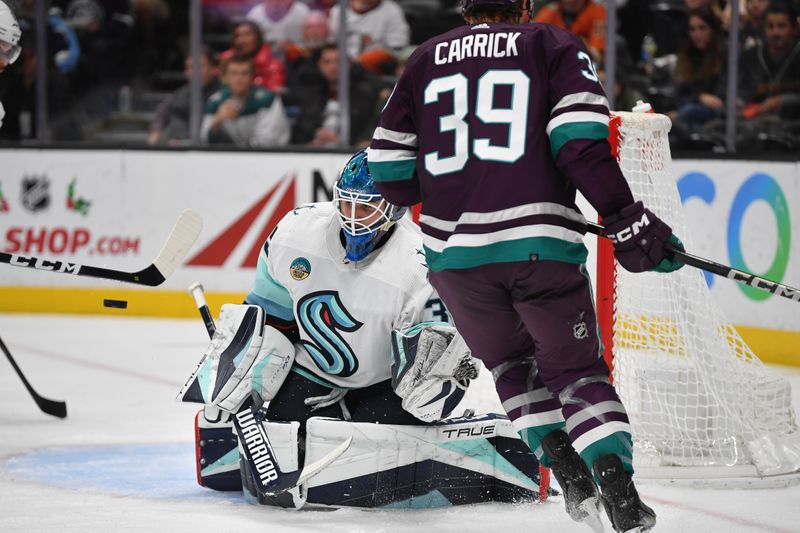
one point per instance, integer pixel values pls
(216, 452)
(244, 356)
(463, 461)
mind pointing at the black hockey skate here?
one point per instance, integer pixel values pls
(572, 474)
(625, 510)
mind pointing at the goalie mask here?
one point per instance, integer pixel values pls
(9, 34)
(363, 213)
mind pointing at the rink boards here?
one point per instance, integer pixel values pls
(114, 208)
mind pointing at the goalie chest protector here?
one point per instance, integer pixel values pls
(346, 310)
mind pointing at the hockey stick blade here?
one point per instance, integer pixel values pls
(289, 480)
(50, 407)
(180, 240)
(320, 464)
(719, 269)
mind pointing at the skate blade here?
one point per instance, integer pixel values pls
(591, 506)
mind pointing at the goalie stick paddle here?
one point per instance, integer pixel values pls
(178, 243)
(716, 268)
(50, 407)
(270, 480)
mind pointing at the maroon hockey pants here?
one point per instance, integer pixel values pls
(533, 324)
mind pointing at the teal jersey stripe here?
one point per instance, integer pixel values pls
(545, 248)
(533, 437)
(270, 307)
(393, 170)
(619, 443)
(413, 330)
(269, 294)
(576, 130)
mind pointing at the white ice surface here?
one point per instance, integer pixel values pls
(119, 377)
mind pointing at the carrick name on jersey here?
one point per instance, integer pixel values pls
(501, 44)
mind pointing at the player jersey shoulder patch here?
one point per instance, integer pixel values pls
(300, 269)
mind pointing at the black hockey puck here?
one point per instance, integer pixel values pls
(119, 304)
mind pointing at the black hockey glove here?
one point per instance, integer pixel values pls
(639, 237)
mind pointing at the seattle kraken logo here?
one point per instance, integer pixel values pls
(322, 314)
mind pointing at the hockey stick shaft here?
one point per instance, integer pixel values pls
(196, 290)
(180, 240)
(50, 407)
(719, 269)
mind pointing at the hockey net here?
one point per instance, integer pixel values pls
(702, 406)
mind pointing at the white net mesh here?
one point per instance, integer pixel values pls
(696, 394)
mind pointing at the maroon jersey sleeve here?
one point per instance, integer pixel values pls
(578, 126)
(392, 154)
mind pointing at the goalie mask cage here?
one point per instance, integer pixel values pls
(703, 408)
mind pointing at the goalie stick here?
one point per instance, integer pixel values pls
(269, 479)
(196, 290)
(50, 407)
(183, 235)
(716, 268)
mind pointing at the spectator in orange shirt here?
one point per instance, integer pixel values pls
(270, 72)
(584, 18)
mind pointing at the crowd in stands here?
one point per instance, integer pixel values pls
(270, 68)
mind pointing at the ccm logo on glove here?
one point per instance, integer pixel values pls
(633, 230)
(639, 239)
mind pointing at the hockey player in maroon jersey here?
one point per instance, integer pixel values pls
(492, 127)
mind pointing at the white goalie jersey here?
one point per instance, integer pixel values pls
(345, 311)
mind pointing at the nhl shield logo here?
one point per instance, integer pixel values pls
(300, 269)
(35, 192)
(579, 329)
